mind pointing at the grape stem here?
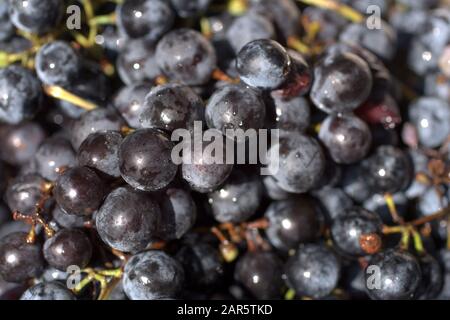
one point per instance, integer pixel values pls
(108, 279)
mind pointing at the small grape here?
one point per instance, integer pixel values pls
(145, 160)
(152, 275)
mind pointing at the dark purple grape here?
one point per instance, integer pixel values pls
(202, 264)
(247, 28)
(65, 220)
(263, 64)
(347, 138)
(128, 220)
(79, 191)
(57, 63)
(342, 82)
(313, 271)
(185, 55)
(431, 117)
(19, 260)
(24, 192)
(12, 227)
(100, 150)
(285, 14)
(136, 62)
(145, 160)
(171, 106)
(398, 277)
(299, 79)
(235, 107)
(432, 278)
(152, 275)
(201, 171)
(148, 19)
(36, 16)
(381, 41)
(48, 291)
(20, 142)
(297, 162)
(387, 170)
(238, 199)
(129, 102)
(178, 214)
(292, 114)
(53, 156)
(350, 226)
(20, 94)
(260, 273)
(10, 290)
(292, 222)
(68, 247)
(189, 9)
(94, 121)
(6, 26)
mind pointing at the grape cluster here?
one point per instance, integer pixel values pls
(355, 199)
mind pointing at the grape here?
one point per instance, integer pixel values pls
(145, 160)
(148, 19)
(128, 220)
(284, 13)
(437, 86)
(152, 275)
(129, 102)
(431, 117)
(260, 273)
(346, 137)
(301, 162)
(238, 199)
(6, 26)
(20, 142)
(48, 291)
(248, 28)
(313, 271)
(53, 156)
(4, 213)
(273, 190)
(298, 80)
(20, 94)
(36, 16)
(331, 23)
(201, 172)
(188, 9)
(334, 201)
(348, 229)
(100, 151)
(19, 260)
(10, 290)
(178, 214)
(432, 278)
(292, 222)
(381, 41)
(24, 192)
(202, 264)
(342, 82)
(57, 63)
(171, 106)
(136, 62)
(79, 191)
(94, 121)
(235, 107)
(65, 220)
(387, 170)
(66, 248)
(263, 64)
(185, 55)
(399, 275)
